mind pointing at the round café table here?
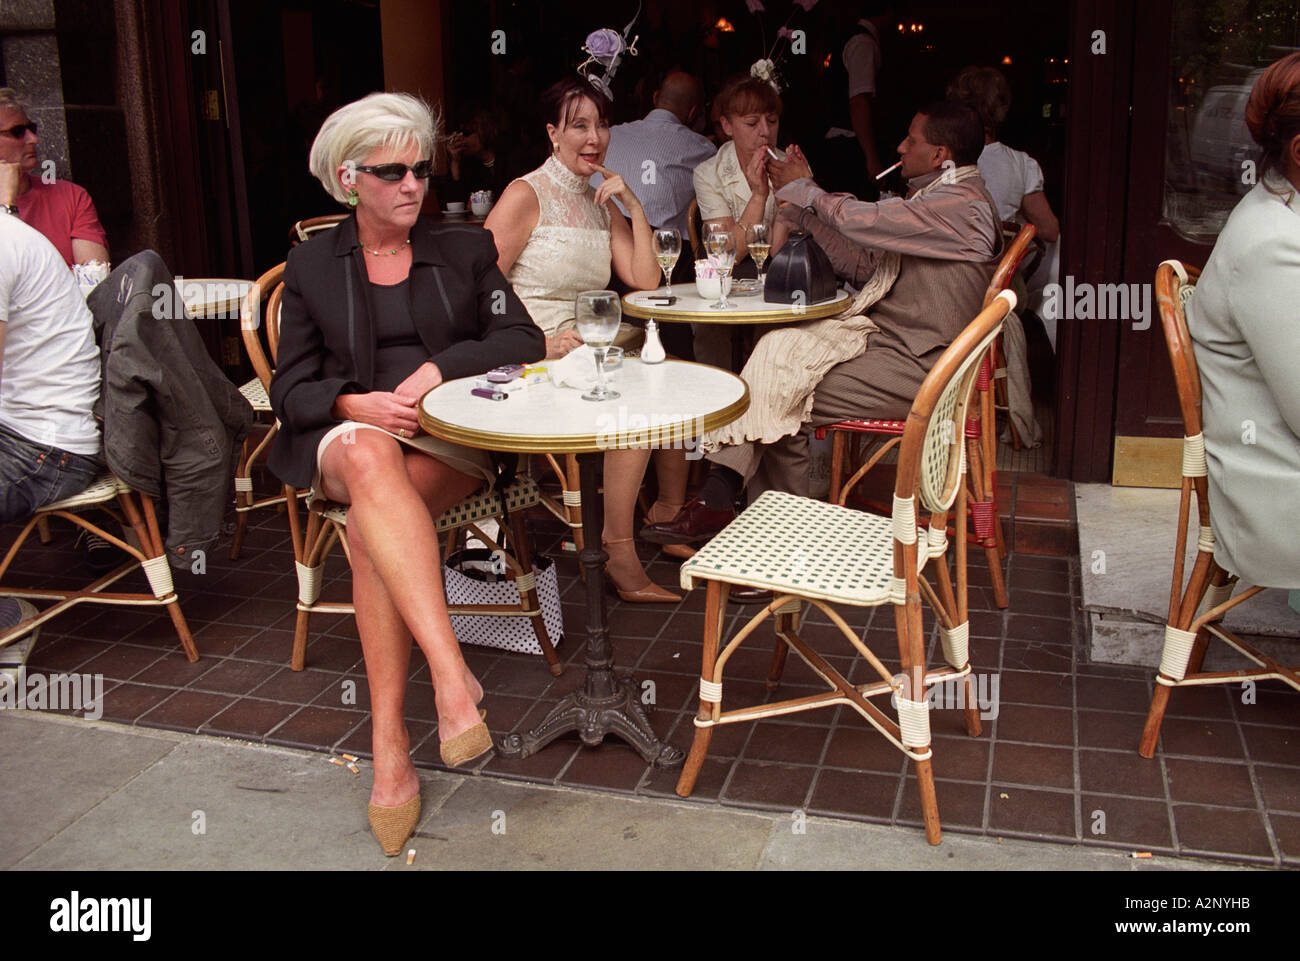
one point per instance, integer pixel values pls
(209, 297)
(691, 308)
(663, 405)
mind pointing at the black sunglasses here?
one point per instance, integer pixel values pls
(395, 172)
(18, 130)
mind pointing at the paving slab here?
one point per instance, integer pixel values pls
(488, 824)
(826, 844)
(55, 773)
(1126, 549)
(208, 803)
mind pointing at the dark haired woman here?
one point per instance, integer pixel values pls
(557, 236)
(1246, 337)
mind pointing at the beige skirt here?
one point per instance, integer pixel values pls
(468, 460)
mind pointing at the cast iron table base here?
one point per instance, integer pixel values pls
(606, 703)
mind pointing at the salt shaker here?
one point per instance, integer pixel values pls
(652, 351)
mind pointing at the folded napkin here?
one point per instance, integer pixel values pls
(575, 369)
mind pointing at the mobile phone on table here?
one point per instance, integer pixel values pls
(505, 373)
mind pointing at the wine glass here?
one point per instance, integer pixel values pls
(760, 245)
(720, 246)
(668, 247)
(598, 313)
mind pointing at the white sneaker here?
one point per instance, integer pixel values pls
(13, 611)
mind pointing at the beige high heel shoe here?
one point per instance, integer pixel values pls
(466, 746)
(393, 823)
(652, 593)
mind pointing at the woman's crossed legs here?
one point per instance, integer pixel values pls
(395, 493)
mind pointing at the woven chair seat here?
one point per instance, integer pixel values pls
(105, 487)
(796, 545)
(255, 394)
(869, 426)
(520, 495)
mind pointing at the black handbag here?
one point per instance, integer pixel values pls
(800, 273)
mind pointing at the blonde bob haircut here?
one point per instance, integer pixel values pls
(350, 133)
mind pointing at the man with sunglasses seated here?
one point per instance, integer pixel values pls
(61, 210)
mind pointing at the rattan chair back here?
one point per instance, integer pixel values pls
(932, 459)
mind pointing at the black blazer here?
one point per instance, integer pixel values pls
(466, 314)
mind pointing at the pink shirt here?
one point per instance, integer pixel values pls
(62, 211)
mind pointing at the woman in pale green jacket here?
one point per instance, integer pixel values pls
(1244, 319)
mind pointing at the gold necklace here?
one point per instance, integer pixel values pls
(384, 253)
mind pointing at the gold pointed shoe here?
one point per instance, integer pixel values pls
(393, 824)
(466, 746)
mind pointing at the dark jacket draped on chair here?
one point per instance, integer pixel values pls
(173, 421)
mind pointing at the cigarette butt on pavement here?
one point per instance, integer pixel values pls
(354, 769)
(1141, 854)
(410, 856)
(337, 761)
(350, 757)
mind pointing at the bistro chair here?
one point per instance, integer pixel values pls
(125, 505)
(568, 507)
(306, 228)
(809, 552)
(262, 298)
(327, 522)
(980, 430)
(1196, 609)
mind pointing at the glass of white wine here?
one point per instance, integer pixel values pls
(598, 314)
(760, 245)
(668, 247)
(720, 246)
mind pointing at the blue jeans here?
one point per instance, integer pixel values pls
(33, 475)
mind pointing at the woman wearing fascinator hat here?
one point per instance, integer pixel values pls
(557, 236)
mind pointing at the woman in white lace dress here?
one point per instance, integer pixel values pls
(557, 236)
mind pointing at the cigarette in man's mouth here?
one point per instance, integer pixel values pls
(886, 173)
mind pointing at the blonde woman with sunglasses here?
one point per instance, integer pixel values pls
(376, 312)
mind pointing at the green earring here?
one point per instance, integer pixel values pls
(352, 198)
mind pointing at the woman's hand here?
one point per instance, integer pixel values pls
(563, 342)
(425, 378)
(392, 412)
(614, 186)
(756, 173)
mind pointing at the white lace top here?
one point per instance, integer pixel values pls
(567, 252)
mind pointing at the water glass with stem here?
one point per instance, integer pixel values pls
(720, 246)
(598, 314)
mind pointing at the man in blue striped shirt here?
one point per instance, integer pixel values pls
(657, 154)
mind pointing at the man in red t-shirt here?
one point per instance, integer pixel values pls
(60, 210)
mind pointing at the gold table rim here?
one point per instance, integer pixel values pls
(766, 316)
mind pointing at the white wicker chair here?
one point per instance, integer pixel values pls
(1196, 609)
(137, 510)
(808, 551)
